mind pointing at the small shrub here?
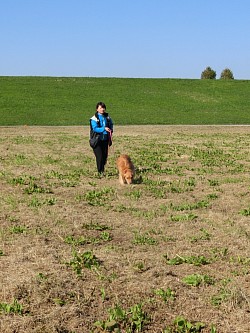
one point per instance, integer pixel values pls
(208, 73)
(227, 74)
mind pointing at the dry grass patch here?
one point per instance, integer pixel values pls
(80, 253)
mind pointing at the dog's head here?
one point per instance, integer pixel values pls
(128, 175)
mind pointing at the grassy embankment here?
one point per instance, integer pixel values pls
(71, 101)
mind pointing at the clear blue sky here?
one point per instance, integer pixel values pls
(124, 38)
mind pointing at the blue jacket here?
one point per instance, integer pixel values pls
(99, 122)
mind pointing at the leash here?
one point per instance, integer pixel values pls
(110, 138)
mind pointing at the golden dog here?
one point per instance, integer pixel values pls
(126, 169)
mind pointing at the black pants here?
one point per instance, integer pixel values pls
(101, 155)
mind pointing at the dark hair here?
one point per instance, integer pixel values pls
(100, 104)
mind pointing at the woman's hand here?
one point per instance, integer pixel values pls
(107, 129)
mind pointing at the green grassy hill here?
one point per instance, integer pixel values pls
(71, 101)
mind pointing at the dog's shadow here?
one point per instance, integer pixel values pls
(138, 180)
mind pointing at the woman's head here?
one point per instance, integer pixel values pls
(100, 107)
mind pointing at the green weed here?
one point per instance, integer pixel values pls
(21, 139)
(213, 329)
(203, 236)
(197, 279)
(41, 277)
(194, 260)
(12, 219)
(135, 194)
(11, 201)
(95, 226)
(183, 217)
(14, 307)
(245, 212)
(120, 320)
(182, 325)
(54, 174)
(83, 260)
(191, 206)
(51, 160)
(36, 202)
(22, 180)
(142, 239)
(212, 196)
(180, 187)
(219, 252)
(223, 295)
(103, 294)
(245, 261)
(104, 237)
(213, 182)
(97, 197)
(75, 241)
(165, 295)
(34, 188)
(140, 267)
(20, 159)
(18, 229)
(59, 301)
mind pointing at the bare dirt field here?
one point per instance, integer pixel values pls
(170, 253)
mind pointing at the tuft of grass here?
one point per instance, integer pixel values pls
(182, 325)
(96, 226)
(245, 212)
(144, 239)
(193, 260)
(97, 197)
(120, 320)
(18, 229)
(34, 188)
(166, 295)
(83, 260)
(183, 217)
(204, 235)
(15, 307)
(197, 279)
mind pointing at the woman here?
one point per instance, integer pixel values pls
(101, 126)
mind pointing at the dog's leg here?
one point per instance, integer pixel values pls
(121, 180)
